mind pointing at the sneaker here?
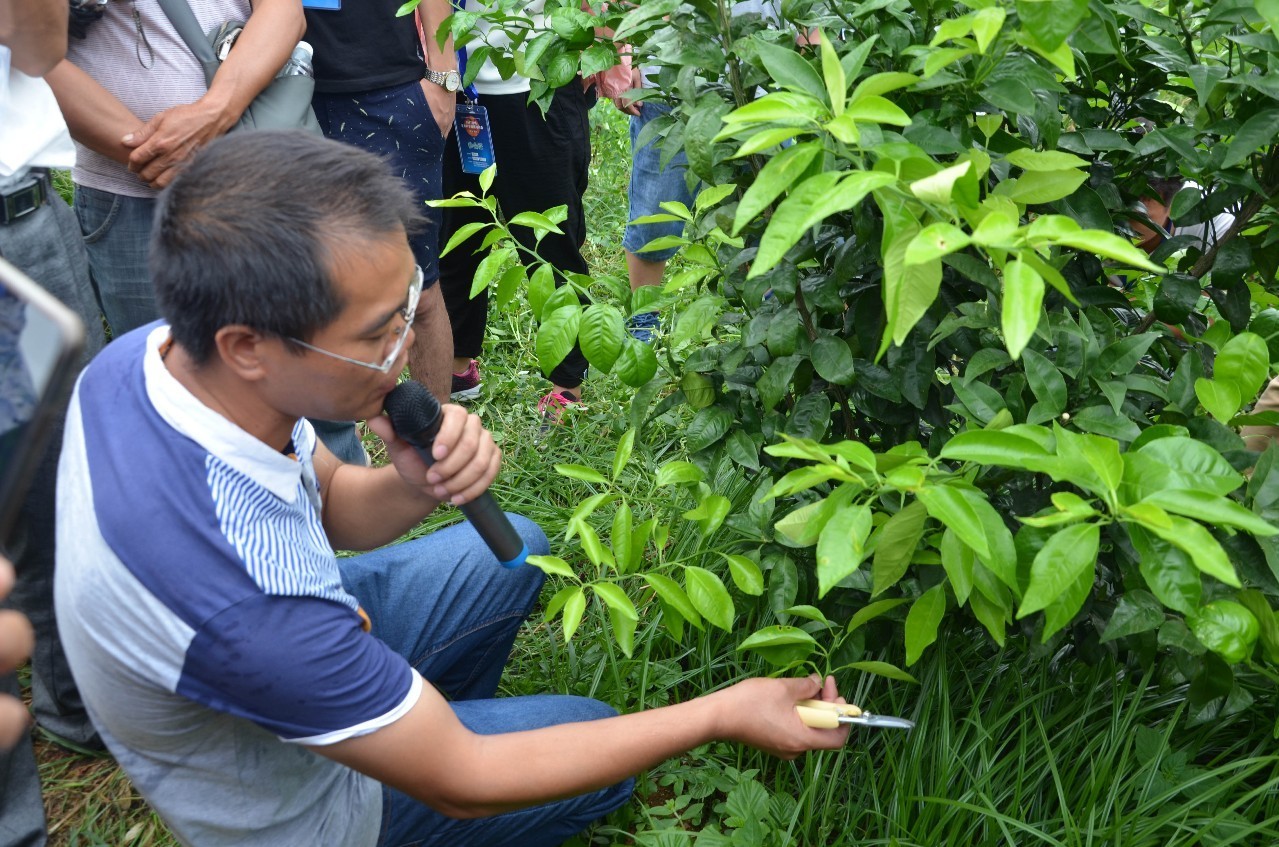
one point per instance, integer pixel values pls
(552, 407)
(644, 326)
(466, 385)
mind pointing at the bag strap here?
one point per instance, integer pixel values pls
(183, 19)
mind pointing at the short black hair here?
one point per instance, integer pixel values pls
(247, 233)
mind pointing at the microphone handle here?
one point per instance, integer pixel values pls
(489, 521)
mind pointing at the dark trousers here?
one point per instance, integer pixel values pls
(541, 163)
(46, 245)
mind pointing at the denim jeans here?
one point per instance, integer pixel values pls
(652, 185)
(445, 604)
(117, 233)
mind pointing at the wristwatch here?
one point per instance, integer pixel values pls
(448, 80)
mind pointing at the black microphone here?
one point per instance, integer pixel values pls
(415, 417)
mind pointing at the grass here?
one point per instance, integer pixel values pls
(1011, 747)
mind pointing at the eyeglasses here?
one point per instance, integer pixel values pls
(402, 333)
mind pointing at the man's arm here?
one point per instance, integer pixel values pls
(94, 116)
(368, 507)
(173, 136)
(429, 755)
(35, 31)
(432, 14)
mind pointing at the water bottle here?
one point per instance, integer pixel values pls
(299, 64)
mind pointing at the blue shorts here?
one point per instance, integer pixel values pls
(652, 185)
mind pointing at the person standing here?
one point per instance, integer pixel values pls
(542, 162)
(381, 87)
(39, 235)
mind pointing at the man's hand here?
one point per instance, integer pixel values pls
(443, 105)
(16, 641)
(761, 712)
(167, 141)
(630, 107)
(466, 457)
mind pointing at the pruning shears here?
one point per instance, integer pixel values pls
(820, 714)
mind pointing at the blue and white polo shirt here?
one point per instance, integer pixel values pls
(204, 618)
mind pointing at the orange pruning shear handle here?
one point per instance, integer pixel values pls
(820, 714)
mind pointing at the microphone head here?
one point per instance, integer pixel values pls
(412, 409)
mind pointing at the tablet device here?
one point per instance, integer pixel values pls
(40, 345)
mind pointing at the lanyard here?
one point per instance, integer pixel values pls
(469, 91)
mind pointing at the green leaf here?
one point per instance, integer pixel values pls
(1220, 399)
(552, 565)
(922, 621)
(996, 447)
(1204, 550)
(1258, 131)
(1069, 553)
(782, 646)
(1137, 611)
(1046, 383)
(778, 174)
(636, 364)
(1051, 22)
(1193, 464)
(541, 286)
(582, 473)
(935, 241)
(672, 594)
(624, 628)
(463, 232)
(870, 611)
(1210, 508)
(1244, 361)
(986, 25)
(1227, 629)
(781, 107)
(1044, 160)
(833, 75)
(841, 547)
(621, 538)
(615, 598)
(1023, 303)
(1036, 187)
(679, 472)
(710, 512)
(556, 336)
(707, 427)
(897, 541)
(1254, 601)
(622, 454)
(1109, 246)
(937, 188)
(1168, 571)
(600, 334)
(789, 69)
(574, 606)
(875, 109)
(709, 596)
(745, 573)
(808, 204)
(832, 360)
(992, 616)
(884, 669)
(509, 283)
(488, 268)
(947, 504)
(909, 290)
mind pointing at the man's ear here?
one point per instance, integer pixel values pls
(246, 351)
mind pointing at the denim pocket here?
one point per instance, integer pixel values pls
(95, 211)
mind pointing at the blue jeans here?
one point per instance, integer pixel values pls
(445, 604)
(651, 185)
(117, 234)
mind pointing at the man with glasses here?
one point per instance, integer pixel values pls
(257, 689)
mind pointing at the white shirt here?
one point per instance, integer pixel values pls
(32, 131)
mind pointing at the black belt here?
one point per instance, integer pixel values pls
(25, 197)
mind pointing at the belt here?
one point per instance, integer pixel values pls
(24, 196)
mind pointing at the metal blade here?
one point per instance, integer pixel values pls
(880, 721)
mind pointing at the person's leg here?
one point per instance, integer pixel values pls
(117, 233)
(21, 810)
(651, 185)
(444, 603)
(397, 124)
(408, 822)
(46, 246)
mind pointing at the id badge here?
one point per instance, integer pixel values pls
(474, 141)
(325, 5)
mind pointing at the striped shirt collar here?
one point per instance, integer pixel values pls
(180, 409)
